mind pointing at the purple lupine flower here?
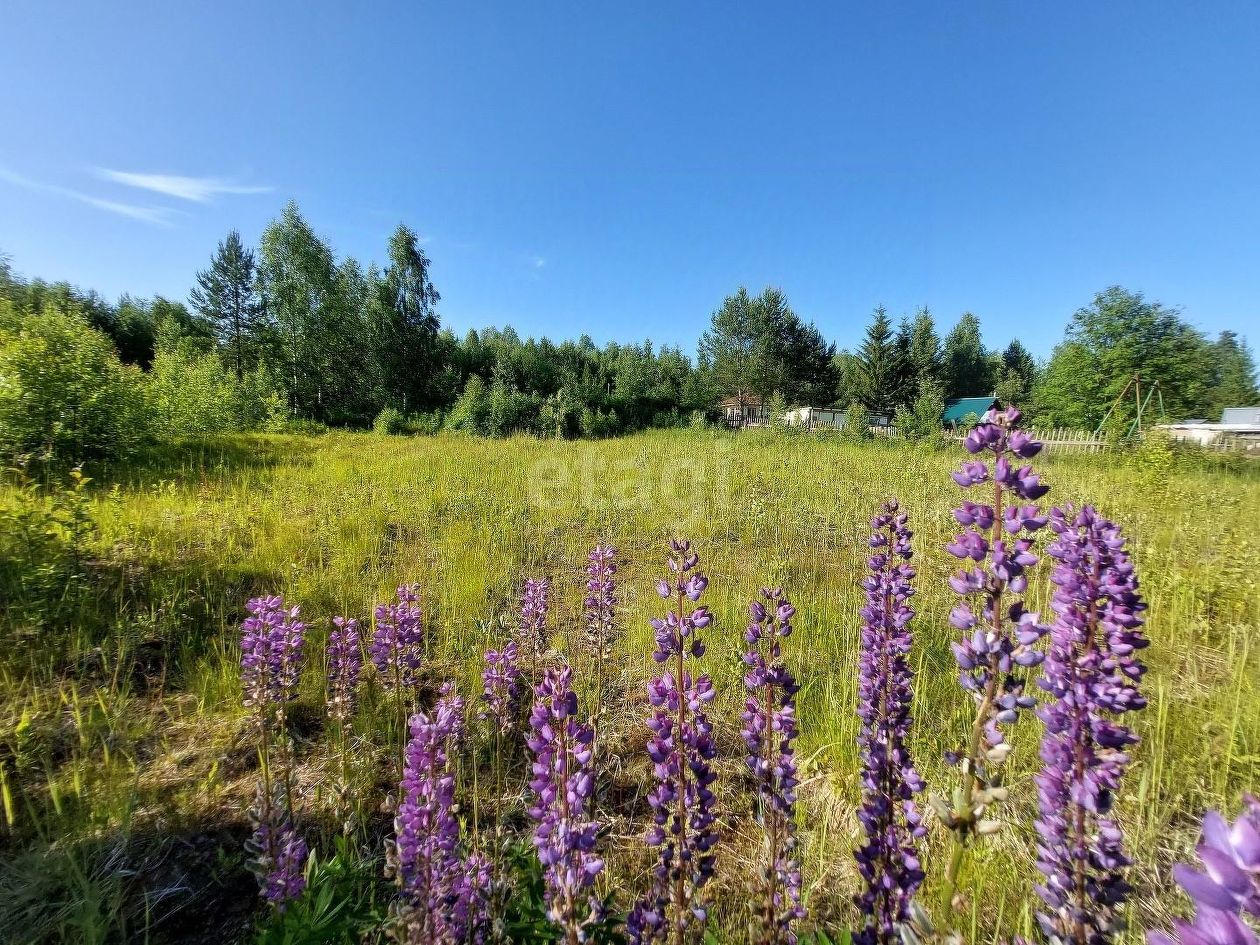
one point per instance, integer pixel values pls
(279, 860)
(1091, 673)
(563, 783)
(998, 634)
(534, 610)
(502, 687)
(345, 663)
(272, 641)
(440, 888)
(1231, 857)
(1208, 927)
(1228, 886)
(889, 859)
(681, 749)
(601, 599)
(769, 730)
(397, 642)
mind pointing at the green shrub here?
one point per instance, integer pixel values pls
(390, 422)
(63, 391)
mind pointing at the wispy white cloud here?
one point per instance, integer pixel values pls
(538, 262)
(196, 189)
(160, 216)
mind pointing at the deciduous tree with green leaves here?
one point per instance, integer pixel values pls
(1119, 336)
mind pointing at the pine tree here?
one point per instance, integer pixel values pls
(227, 295)
(880, 368)
(924, 352)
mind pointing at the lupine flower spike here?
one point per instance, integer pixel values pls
(535, 606)
(397, 650)
(272, 641)
(681, 749)
(345, 665)
(442, 897)
(600, 606)
(398, 642)
(563, 782)
(769, 730)
(1229, 886)
(1091, 673)
(995, 547)
(502, 688)
(889, 859)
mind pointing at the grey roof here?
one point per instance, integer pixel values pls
(1240, 415)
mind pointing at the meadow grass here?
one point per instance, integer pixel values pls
(122, 740)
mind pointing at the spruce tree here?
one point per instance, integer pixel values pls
(966, 370)
(880, 368)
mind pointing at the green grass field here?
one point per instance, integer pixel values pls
(126, 759)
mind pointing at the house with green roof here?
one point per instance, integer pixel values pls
(959, 409)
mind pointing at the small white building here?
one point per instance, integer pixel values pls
(1239, 427)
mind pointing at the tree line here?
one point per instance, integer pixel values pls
(285, 335)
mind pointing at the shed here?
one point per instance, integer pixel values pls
(1248, 415)
(957, 410)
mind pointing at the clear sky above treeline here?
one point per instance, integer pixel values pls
(617, 169)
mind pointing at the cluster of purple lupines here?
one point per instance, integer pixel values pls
(345, 664)
(563, 783)
(442, 890)
(889, 859)
(1229, 886)
(681, 749)
(998, 636)
(272, 642)
(535, 607)
(769, 730)
(398, 641)
(502, 687)
(1091, 674)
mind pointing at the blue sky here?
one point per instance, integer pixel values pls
(617, 169)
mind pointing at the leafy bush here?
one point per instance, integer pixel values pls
(63, 391)
(855, 423)
(390, 422)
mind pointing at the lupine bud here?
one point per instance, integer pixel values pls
(889, 859)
